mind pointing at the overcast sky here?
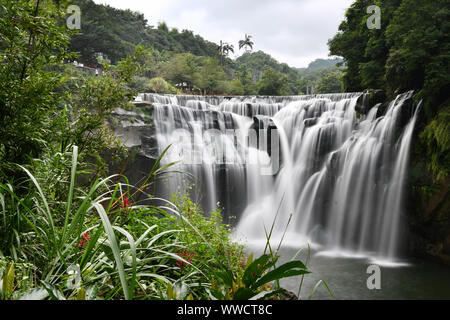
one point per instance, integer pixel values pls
(292, 31)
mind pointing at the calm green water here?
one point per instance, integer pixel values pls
(347, 278)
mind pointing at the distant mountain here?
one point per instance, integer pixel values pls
(258, 62)
(323, 63)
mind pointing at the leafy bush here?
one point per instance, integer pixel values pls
(212, 243)
(158, 85)
(92, 232)
(28, 95)
(436, 138)
(254, 282)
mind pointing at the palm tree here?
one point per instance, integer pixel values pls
(246, 43)
(225, 49)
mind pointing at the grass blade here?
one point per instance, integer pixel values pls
(114, 247)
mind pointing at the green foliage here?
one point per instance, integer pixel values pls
(365, 51)
(257, 63)
(139, 83)
(158, 85)
(104, 260)
(254, 282)
(30, 34)
(81, 120)
(224, 50)
(122, 250)
(211, 73)
(272, 83)
(237, 88)
(7, 282)
(211, 243)
(436, 138)
(408, 52)
(418, 36)
(331, 83)
(16, 278)
(53, 105)
(181, 68)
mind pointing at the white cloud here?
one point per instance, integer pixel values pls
(292, 31)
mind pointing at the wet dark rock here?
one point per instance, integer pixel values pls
(382, 108)
(265, 128)
(428, 216)
(310, 122)
(369, 99)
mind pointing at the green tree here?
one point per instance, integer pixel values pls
(181, 68)
(419, 42)
(273, 83)
(350, 43)
(224, 50)
(163, 27)
(211, 73)
(246, 43)
(88, 101)
(46, 105)
(331, 83)
(237, 88)
(31, 39)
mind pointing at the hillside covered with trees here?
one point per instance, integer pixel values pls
(182, 57)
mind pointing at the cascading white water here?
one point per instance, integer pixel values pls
(342, 174)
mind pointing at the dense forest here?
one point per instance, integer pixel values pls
(182, 57)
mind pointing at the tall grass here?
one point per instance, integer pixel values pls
(99, 243)
(115, 263)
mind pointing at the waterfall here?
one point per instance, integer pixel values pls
(337, 176)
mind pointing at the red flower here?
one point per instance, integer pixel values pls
(186, 256)
(84, 240)
(125, 203)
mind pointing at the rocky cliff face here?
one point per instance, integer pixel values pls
(136, 130)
